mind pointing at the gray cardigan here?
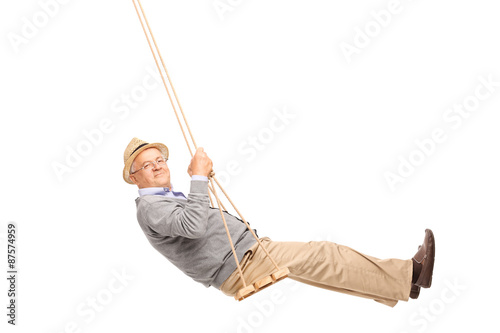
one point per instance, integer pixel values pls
(191, 234)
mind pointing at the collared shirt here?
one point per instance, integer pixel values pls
(167, 192)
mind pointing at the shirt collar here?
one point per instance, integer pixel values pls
(164, 191)
(153, 191)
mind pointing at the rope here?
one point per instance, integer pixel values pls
(163, 78)
(229, 236)
(212, 174)
(248, 226)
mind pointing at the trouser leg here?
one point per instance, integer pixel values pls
(330, 266)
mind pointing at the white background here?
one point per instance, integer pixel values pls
(320, 177)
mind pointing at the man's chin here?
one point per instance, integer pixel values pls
(162, 181)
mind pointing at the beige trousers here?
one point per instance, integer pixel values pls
(327, 265)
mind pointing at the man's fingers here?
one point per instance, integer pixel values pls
(200, 152)
(201, 164)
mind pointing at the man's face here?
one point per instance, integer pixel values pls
(155, 176)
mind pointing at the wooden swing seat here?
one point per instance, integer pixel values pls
(262, 284)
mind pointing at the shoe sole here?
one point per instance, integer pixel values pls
(426, 283)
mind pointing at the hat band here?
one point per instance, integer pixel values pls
(136, 149)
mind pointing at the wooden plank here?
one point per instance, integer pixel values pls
(245, 292)
(281, 274)
(262, 284)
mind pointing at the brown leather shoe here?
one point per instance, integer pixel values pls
(415, 291)
(425, 257)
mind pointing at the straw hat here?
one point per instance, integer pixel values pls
(134, 148)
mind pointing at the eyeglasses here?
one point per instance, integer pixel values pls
(149, 165)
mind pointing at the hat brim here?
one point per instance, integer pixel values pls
(126, 169)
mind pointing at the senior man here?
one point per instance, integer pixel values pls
(191, 235)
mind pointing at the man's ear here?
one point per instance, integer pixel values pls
(133, 179)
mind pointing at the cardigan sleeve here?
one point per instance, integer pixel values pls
(169, 218)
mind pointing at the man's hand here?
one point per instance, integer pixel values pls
(200, 164)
